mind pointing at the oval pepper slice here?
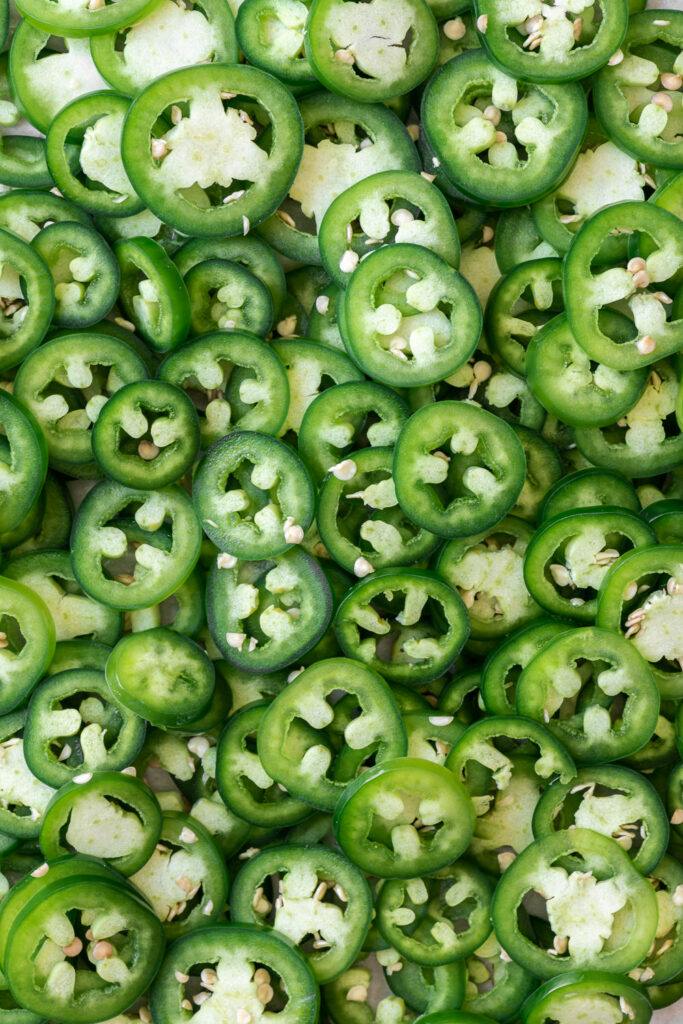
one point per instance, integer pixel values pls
(129, 57)
(65, 385)
(373, 51)
(570, 555)
(146, 435)
(126, 813)
(593, 691)
(613, 800)
(162, 676)
(435, 920)
(624, 90)
(646, 282)
(487, 571)
(365, 722)
(469, 487)
(185, 878)
(389, 207)
(100, 538)
(641, 596)
(341, 418)
(407, 318)
(598, 993)
(265, 615)
(241, 779)
(553, 46)
(114, 971)
(84, 271)
(302, 890)
(235, 381)
(231, 954)
(94, 177)
(247, 182)
(359, 518)
(27, 642)
(254, 495)
(70, 715)
(480, 158)
(406, 624)
(589, 901)
(403, 815)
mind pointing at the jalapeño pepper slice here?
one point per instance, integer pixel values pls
(599, 994)
(504, 664)
(265, 615)
(27, 641)
(365, 723)
(100, 538)
(241, 779)
(66, 383)
(643, 281)
(402, 816)
(389, 207)
(359, 518)
(234, 380)
(406, 624)
(593, 691)
(487, 571)
(549, 45)
(99, 184)
(231, 953)
(571, 553)
(341, 418)
(302, 890)
(146, 435)
(70, 715)
(545, 121)
(27, 292)
(641, 597)
(624, 91)
(372, 51)
(469, 487)
(113, 816)
(84, 271)
(185, 878)
(162, 676)
(613, 800)
(505, 763)
(435, 920)
(408, 318)
(589, 899)
(210, 196)
(253, 495)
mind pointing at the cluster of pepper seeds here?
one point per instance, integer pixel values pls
(341, 510)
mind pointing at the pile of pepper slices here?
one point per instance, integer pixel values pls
(353, 688)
